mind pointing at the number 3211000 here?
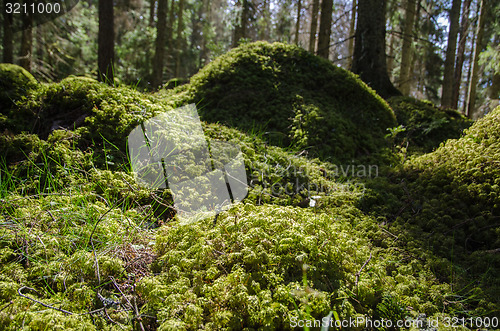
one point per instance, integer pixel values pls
(38, 8)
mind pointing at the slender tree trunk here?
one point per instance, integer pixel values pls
(180, 28)
(471, 102)
(206, 24)
(469, 71)
(457, 79)
(449, 63)
(152, 7)
(26, 52)
(240, 31)
(406, 52)
(106, 42)
(369, 60)
(325, 28)
(264, 30)
(314, 26)
(391, 56)
(416, 33)
(297, 24)
(161, 37)
(8, 45)
(352, 31)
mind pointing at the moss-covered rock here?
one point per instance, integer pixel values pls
(15, 82)
(423, 126)
(294, 97)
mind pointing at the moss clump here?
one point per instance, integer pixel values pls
(295, 97)
(425, 126)
(15, 82)
(449, 202)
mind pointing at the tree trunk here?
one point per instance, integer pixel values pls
(152, 7)
(471, 101)
(105, 40)
(26, 51)
(8, 45)
(457, 79)
(325, 28)
(369, 60)
(180, 28)
(240, 31)
(314, 26)
(351, 33)
(266, 12)
(391, 56)
(161, 37)
(406, 52)
(449, 63)
(297, 24)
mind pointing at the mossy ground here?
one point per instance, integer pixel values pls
(78, 230)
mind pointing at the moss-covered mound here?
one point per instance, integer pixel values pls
(80, 236)
(295, 97)
(423, 126)
(457, 188)
(449, 201)
(15, 82)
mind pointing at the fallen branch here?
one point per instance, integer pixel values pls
(43, 304)
(362, 267)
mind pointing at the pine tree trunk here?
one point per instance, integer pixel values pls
(106, 42)
(8, 45)
(352, 31)
(161, 37)
(471, 101)
(369, 60)
(180, 28)
(297, 23)
(314, 26)
(449, 63)
(152, 5)
(457, 79)
(26, 52)
(325, 28)
(264, 31)
(240, 31)
(406, 52)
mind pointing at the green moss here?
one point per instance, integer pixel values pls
(15, 83)
(295, 97)
(425, 126)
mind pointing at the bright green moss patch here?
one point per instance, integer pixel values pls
(15, 83)
(423, 125)
(293, 96)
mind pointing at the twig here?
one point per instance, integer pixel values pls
(8, 304)
(362, 267)
(91, 242)
(43, 304)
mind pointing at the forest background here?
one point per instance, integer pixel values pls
(443, 51)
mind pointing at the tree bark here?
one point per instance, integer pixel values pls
(449, 63)
(314, 26)
(161, 37)
(152, 7)
(26, 52)
(406, 52)
(8, 45)
(369, 60)
(325, 28)
(106, 42)
(471, 101)
(457, 79)
(297, 23)
(240, 31)
(352, 31)
(180, 28)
